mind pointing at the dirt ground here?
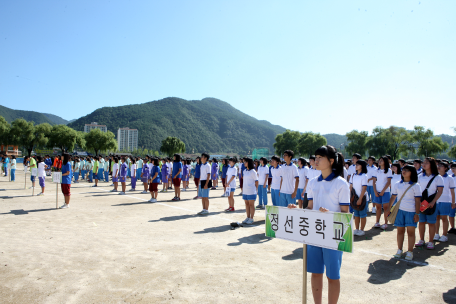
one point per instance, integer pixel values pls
(109, 248)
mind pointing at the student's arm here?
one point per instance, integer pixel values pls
(392, 199)
(293, 195)
(416, 217)
(344, 209)
(453, 205)
(375, 186)
(305, 187)
(207, 181)
(177, 174)
(388, 183)
(256, 184)
(348, 177)
(360, 200)
(437, 196)
(155, 176)
(231, 179)
(266, 181)
(281, 179)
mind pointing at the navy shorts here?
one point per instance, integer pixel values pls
(319, 258)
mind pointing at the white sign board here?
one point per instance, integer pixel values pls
(57, 177)
(330, 230)
(34, 171)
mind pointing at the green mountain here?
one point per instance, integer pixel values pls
(38, 118)
(336, 140)
(208, 125)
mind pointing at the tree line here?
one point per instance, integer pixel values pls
(395, 141)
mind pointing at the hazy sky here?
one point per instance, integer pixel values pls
(321, 66)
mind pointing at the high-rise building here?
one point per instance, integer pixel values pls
(94, 125)
(127, 139)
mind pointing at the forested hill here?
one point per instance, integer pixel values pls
(208, 125)
(10, 115)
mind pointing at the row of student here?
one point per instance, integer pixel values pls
(4, 161)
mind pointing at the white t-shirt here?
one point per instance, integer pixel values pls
(250, 176)
(329, 193)
(115, 170)
(371, 170)
(139, 163)
(276, 177)
(408, 201)
(302, 176)
(230, 173)
(312, 173)
(262, 172)
(41, 172)
(345, 173)
(396, 178)
(358, 181)
(106, 165)
(289, 175)
(76, 166)
(382, 179)
(240, 169)
(13, 164)
(448, 183)
(423, 180)
(133, 169)
(352, 170)
(89, 166)
(205, 169)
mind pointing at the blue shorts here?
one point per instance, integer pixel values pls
(452, 212)
(285, 200)
(32, 178)
(370, 193)
(95, 175)
(204, 192)
(385, 199)
(100, 173)
(430, 219)
(443, 209)
(275, 197)
(251, 197)
(299, 193)
(361, 213)
(318, 258)
(404, 219)
(232, 189)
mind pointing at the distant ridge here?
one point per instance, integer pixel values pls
(10, 115)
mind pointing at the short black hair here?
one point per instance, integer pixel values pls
(419, 161)
(398, 168)
(249, 162)
(312, 157)
(205, 155)
(276, 158)
(363, 164)
(401, 160)
(303, 161)
(357, 155)
(413, 175)
(290, 153)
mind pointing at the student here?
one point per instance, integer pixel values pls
(170, 174)
(197, 177)
(115, 174)
(401, 162)
(263, 176)
(290, 180)
(430, 175)
(177, 175)
(397, 176)
(145, 174)
(358, 182)
(409, 192)
(214, 173)
(106, 169)
(96, 164)
(453, 206)
(13, 168)
(32, 165)
(82, 167)
(231, 183)
(276, 180)
(66, 180)
(48, 163)
(371, 170)
(89, 168)
(224, 171)
(328, 192)
(41, 174)
(352, 169)
(382, 182)
(154, 180)
(165, 174)
(269, 177)
(133, 174)
(417, 164)
(123, 175)
(250, 190)
(313, 172)
(303, 171)
(205, 176)
(241, 168)
(444, 203)
(76, 170)
(185, 174)
(100, 168)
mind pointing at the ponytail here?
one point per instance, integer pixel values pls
(338, 165)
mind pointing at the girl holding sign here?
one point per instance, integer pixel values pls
(328, 192)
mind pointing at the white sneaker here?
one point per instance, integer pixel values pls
(132, 190)
(201, 212)
(443, 239)
(409, 256)
(144, 192)
(40, 194)
(31, 187)
(121, 193)
(155, 200)
(245, 221)
(374, 210)
(398, 254)
(361, 233)
(111, 185)
(65, 206)
(377, 225)
(113, 190)
(250, 222)
(384, 226)
(436, 237)
(151, 200)
(355, 232)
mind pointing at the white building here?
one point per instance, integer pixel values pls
(94, 125)
(127, 139)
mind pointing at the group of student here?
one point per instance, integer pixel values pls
(4, 162)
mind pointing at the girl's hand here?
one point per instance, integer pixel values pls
(453, 206)
(382, 193)
(323, 209)
(431, 204)
(416, 218)
(358, 203)
(376, 193)
(302, 194)
(292, 206)
(264, 186)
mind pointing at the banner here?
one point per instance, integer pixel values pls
(57, 177)
(330, 230)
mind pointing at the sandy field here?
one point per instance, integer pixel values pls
(109, 248)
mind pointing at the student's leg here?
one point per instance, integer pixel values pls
(13, 178)
(231, 200)
(145, 186)
(437, 224)
(431, 231)
(411, 237)
(156, 193)
(333, 291)
(177, 190)
(124, 186)
(133, 182)
(247, 208)
(317, 287)
(400, 237)
(252, 208)
(265, 195)
(378, 214)
(115, 185)
(451, 220)
(206, 203)
(357, 220)
(260, 195)
(422, 229)
(386, 209)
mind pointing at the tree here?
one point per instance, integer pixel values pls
(63, 137)
(26, 134)
(287, 141)
(309, 142)
(98, 140)
(425, 142)
(357, 142)
(172, 145)
(452, 152)
(392, 141)
(4, 131)
(377, 143)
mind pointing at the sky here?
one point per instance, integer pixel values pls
(320, 66)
